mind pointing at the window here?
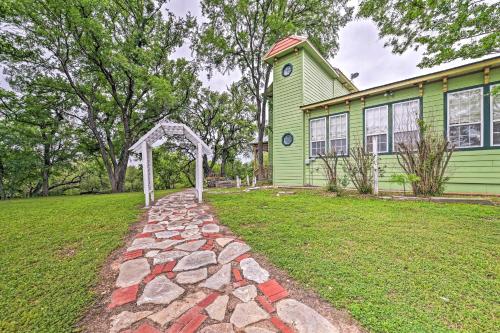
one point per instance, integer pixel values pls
(465, 109)
(376, 121)
(338, 134)
(318, 136)
(495, 117)
(405, 129)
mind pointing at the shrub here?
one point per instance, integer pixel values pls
(359, 168)
(403, 179)
(427, 158)
(330, 164)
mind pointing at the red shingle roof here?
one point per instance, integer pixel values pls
(283, 45)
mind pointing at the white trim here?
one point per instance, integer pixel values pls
(386, 106)
(310, 136)
(481, 124)
(330, 138)
(491, 117)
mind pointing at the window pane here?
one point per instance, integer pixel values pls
(338, 126)
(464, 117)
(339, 146)
(318, 132)
(382, 143)
(409, 138)
(496, 133)
(495, 107)
(376, 120)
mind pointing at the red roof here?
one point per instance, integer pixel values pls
(283, 45)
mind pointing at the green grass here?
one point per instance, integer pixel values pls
(51, 250)
(395, 266)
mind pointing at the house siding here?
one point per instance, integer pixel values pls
(469, 171)
(287, 162)
(318, 85)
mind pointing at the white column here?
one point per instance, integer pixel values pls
(150, 174)
(199, 172)
(375, 165)
(145, 171)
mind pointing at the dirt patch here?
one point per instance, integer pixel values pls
(97, 317)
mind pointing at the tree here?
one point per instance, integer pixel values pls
(447, 30)
(37, 115)
(223, 121)
(112, 55)
(237, 33)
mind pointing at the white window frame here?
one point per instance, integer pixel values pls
(330, 136)
(310, 135)
(491, 116)
(481, 113)
(419, 114)
(381, 133)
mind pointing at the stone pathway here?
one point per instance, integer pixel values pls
(185, 274)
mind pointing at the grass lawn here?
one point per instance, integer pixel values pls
(395, 266)
(51, 250)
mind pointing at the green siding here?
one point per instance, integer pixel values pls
(339, 89)
(287, 162)
(318, 84)
(470, 171)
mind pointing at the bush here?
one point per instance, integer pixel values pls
(427, 159)
(359, 168)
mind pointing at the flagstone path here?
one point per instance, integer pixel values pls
(184, 273)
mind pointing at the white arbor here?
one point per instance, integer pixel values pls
(162, 130)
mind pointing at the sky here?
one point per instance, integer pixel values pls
(360, 51)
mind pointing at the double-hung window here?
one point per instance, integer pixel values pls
(318, 136)
(495, 117)
(405, 128)
(338, 134)
(376, 125)
(465, 110)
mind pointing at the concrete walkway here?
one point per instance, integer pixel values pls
(184, 273)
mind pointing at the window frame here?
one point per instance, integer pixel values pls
(481, 88)
(492, 144)
(335, 115)
(387, 133)
(419, 117)
(310, 134)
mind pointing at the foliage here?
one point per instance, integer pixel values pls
(447, 30)
(395, 266)
(112, 56)
(427, 160)
(359, 168)
(403, 179)
(237, 34)
(51, 251)
(224, 121)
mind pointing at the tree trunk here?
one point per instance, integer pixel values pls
(46, 170)
(3, 195)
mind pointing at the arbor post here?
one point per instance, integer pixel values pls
(375, 165)
(199, 172)
(146, 173)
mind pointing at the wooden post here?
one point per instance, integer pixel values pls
(248, 181)
(145, 172)
(150, 174)
(375, 165)
(238, 181)
(199, 172)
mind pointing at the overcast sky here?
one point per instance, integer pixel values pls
(360, 51)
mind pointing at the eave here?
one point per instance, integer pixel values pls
(408, 83)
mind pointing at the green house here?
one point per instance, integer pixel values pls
(315, 107)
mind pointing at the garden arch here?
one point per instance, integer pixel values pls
(161, 131)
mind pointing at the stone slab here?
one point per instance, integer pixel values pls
(232, 251)
(160, 290)
(217, 310)
(168, 256)
(223, 241)
(246, 293)
(177, 308)
(219, 279)
(167, 234)
(190, 277)
(125, 319)
(218, 328)
(195, 260)
(210, 228)
(303, 318)
(252, 271)
(132, 272)
(191, 246)
(245, 314)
